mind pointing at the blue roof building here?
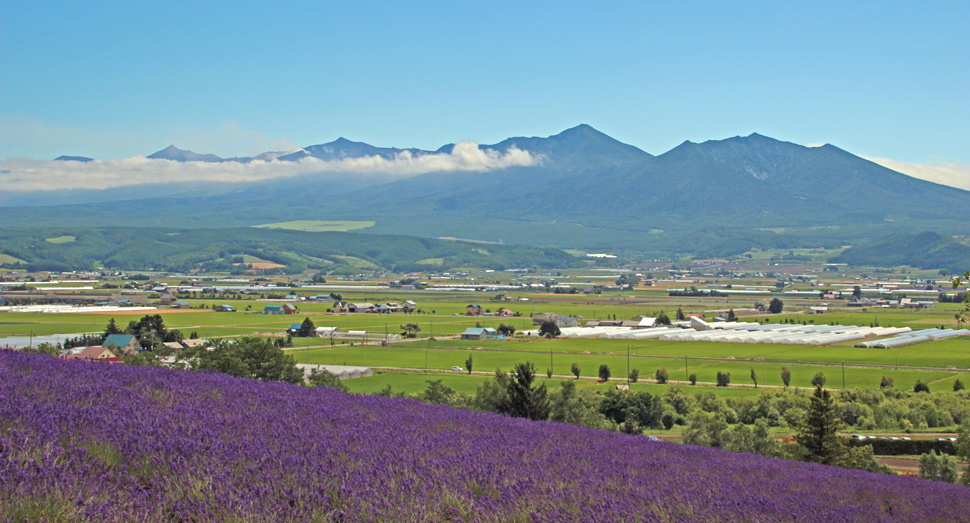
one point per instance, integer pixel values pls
(125, 343)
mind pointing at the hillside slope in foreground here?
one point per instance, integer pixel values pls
(92, 442)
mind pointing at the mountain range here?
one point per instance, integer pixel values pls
(587, 191)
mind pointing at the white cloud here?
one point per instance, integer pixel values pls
(954, 174)
(25, 174)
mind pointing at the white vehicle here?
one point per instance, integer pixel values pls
(456, 368)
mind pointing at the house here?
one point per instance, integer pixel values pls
(122, 343)
(340, 306)
(273, 309)
(173, 345)
(539, 318)
(646, 323)
(295, 328)
(96, 353)
(288, 309)
(409, 306)
(566, 321)
(191, 344)
(224, 308)
(474, 310)
(358, 308)
(818, 310)
(181, 304)
(505, 312)
(292, 297)
(392, 306)
(4, 302)
(477, 333)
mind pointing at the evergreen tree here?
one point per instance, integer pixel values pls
(604, 372)
(524, 399)
(785, 376)
(680, 315)
(819, 429)
(957, 385)
(468, 364)
(307, 328)
(754, 378)
(111, 328)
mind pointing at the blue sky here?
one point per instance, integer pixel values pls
(117, 79)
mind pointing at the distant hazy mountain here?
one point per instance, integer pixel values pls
(587, 190)
(73, 159)
(180, 155)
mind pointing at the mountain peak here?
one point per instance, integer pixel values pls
(182, 155)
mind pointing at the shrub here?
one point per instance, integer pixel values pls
(634, 375)
(604, 372)
(575, 370)
(818, 380)
(692, 379)
(723, 379)
(662, 375)
(921, 387)
(957, 385)
(785, 376)
(886, 383)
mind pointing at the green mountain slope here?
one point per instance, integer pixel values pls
(926, 250)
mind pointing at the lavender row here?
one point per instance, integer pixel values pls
(93, 442)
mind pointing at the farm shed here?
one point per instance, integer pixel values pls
(477, 333)
(359, 307)
(224, 308)
(328, 331)
(273, 309)
(288, 309)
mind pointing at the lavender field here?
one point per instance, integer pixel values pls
(94, 442)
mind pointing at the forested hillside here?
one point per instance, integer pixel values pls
(219, 249)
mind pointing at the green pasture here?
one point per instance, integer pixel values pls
(411, 383)
(61, 239)
(6, 258)
(318, 225)
(706, 370)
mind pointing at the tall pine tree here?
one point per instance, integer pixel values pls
(819, 430)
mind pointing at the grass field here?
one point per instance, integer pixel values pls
(6, 258)
(319, 225)
(61, 239)
(411, 383)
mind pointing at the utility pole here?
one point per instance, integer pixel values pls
(843, 374)
(686, 370)
(628, 365)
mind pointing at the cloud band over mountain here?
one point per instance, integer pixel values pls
(26, 174)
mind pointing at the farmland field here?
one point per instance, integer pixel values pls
(319, 225)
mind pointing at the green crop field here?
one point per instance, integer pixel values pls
(61, 239)
(319, 225)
